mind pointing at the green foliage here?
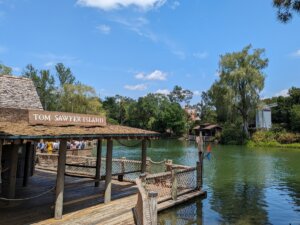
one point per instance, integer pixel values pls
(274, 139)
(45, 85)
(80, 98)
(179, 95)
(295, 118)
(242, 78)
(64, 75)
(286, 8)
(69, 96)
(5, 70)
(233, 134)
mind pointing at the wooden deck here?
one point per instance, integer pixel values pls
(83, 204)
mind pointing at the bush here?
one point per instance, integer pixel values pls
(233, 134)
(287, 138)
(263, 136)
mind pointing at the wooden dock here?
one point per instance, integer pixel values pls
(83, 204)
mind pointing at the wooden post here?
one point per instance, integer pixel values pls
(28, 152)
(199, 141)
(13, 170)
(152, 198)
(108, 169)
(98, 162)
(174, 185)
(1, 144)
(144, 155)
(121, 176)
(60, 180)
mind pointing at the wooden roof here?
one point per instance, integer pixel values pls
(14, 125)
(18, 92)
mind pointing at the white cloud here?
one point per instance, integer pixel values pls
(155, 75)
(116, 4)
(163, 91)
(16, 69)
(284, 93)
(296, 54)
(197, 93)
(104, 29)
(138, 87)
(200, 55)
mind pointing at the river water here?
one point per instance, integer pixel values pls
(244, 186)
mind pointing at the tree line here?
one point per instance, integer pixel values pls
(231, 101)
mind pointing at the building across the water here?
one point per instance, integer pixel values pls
(208, 131)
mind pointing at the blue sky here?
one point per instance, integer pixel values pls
(133, 47)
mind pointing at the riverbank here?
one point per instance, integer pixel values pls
(252, 144)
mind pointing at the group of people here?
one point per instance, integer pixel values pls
(50, 146)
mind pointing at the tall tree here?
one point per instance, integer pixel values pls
(45, 85)
(5, 70)
(241, 72)
(64, 74)
(286, 9)
(179, 95)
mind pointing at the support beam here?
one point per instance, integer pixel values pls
(144, 155)
(1, 144)
(108, 169)
(13, 170)
(60, 180)
(98, 162)
(28, 157)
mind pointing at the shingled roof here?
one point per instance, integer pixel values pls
(19, 93)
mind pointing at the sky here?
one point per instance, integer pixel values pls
(133, 47)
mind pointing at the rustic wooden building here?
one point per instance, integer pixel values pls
(18, 136)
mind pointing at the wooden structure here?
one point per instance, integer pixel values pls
(18, 138)
(17, 134)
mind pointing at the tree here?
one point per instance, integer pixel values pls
(286, 8)
(295, 118)
(205, 109)
(5, 70)
(64, 75)
(45, 85)
(180, 95)
(241, 73)
(80, 98)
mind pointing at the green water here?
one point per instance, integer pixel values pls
(244, 186)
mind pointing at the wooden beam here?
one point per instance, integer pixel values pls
(28, 158)
(98, 162)
(144, 155)
(13, 170)
(1, 144)
(108, 169)
(60, 180)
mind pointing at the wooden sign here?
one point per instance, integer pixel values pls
(62, 118)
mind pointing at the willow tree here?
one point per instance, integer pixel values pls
(5, 70)
(242, 74)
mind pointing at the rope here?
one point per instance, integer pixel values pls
(29, 198)
(129, 146)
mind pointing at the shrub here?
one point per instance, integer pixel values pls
(233, 134)
(286, 138)
(264, 136)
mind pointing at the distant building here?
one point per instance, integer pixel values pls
(207, 130)
(193, 114)
(264, 118)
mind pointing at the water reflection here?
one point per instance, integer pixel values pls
(245, 186)
(190, 213)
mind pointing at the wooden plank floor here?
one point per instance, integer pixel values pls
(82, 203)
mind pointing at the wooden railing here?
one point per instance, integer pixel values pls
(157, 188)
(145, 211)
